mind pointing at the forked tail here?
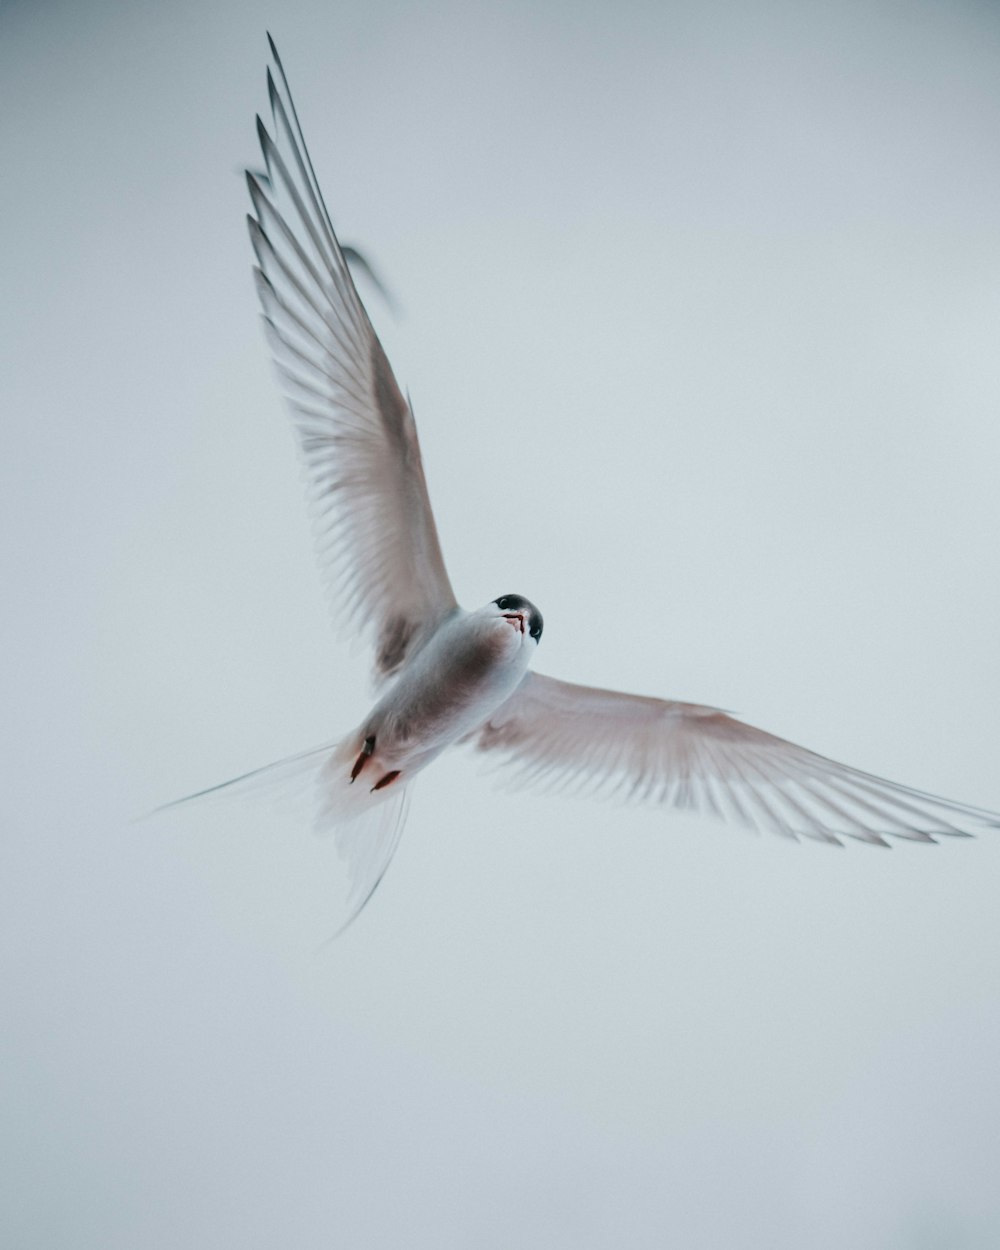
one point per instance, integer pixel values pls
(365, 823)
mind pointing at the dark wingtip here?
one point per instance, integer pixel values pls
(360, 261)
(267, 146)
(274, 53)
(258, 239)
(262, 280)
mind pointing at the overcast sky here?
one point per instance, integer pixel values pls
(700, 312)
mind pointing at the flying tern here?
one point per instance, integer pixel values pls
(445, 675)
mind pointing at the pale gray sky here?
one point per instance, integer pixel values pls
(701, 310)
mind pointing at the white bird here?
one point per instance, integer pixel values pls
(450, 676)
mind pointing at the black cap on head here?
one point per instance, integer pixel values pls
(518, 603)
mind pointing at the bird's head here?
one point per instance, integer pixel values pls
(521, 613)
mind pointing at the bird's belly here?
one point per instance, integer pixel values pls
(443, 698)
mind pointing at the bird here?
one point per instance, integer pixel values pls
(445, 676)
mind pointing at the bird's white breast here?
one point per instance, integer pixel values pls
(471, 665)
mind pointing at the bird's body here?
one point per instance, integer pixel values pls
(456, 681)
(446, 675)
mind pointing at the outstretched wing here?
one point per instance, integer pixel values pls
(366, 486)
(556, 734)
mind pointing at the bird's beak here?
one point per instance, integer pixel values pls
(516, 619)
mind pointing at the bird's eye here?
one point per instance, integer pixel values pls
(536, 631)
(503, 602)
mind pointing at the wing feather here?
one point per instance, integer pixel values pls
(374, 527)
(685, 755)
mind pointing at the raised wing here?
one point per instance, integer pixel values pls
(366, 486)
(559, 735)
